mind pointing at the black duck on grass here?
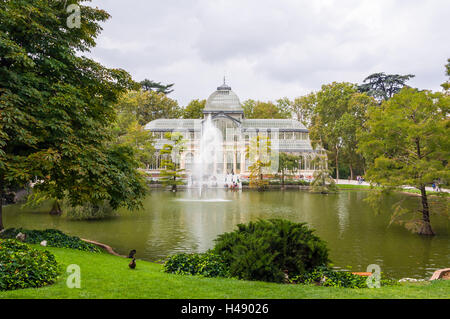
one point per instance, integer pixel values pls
(132, 264)
(132, 253)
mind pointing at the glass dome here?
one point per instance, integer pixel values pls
(224, 99)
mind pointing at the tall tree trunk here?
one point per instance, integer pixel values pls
(56, 208)
(337, 164)
(351, 172)
(174, 185)
(425, 227)
(282, 179)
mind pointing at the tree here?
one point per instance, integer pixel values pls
(147, 106)
(267, 110)
(258, 152)
(303, 107)
(127, 131)
(172, 173)
(139, 139)
(194, 110)
(287, 163)
(328, 118)
(349, 124)
(323, 182)
(56, 107)
(406, 142)
(384, 86)
(151, 86)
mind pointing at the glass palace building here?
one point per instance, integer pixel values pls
(225, 111)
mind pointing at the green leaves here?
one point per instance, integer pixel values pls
(56, 107)
(206, 264)
(171, 173)
(408, 139)
(54, 238)
(194, 110)
(268, 249)
(336, 113)
(383, 86)
(24, 267)
(147, 106)
(407, 142)
(267, 110)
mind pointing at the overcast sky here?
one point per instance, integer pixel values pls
(272, 49)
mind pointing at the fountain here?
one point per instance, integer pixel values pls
(207, 171)
(208, 167)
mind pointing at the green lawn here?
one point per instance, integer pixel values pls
(107, 276)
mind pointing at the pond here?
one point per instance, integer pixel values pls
(178, 222)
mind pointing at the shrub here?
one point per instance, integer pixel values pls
(89, 211)
(24, 267)
(298, 182)
(271, 250)
(206, 264)
(54, 238)
(327, 277)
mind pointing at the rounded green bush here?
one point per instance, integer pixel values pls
(271, 250)
(24, 267)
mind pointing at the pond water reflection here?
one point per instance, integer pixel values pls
(181, 222)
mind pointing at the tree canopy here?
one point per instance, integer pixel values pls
(330, 117)
(151, 86)
(194, 110)
(146, 106)
(303, 107)
(56, 107)
(406, 141)
(383, 86)
(267, 110)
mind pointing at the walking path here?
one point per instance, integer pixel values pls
(347, 182)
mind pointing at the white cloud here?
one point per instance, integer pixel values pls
(271, 49)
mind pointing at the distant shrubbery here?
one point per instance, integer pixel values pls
(24, 267)
(90, 211)
(296, 182)
(54, 238)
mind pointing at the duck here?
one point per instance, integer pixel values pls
(132, 253)
(132, 264)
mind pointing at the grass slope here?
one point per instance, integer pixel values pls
(107, 276)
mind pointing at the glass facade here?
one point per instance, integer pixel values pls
(224, 107)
